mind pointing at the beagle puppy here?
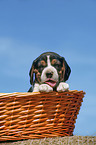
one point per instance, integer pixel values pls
(48, 73)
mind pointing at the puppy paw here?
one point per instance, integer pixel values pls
(62, 87)
(45, 88)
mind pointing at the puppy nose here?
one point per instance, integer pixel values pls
(49, 74)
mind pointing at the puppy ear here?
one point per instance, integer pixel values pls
(66, 69)
(32, 75)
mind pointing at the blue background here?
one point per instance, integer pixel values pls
(67, 27)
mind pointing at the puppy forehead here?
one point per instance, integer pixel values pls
(45, 57)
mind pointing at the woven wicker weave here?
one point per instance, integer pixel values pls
(38, 115)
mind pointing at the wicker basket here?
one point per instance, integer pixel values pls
(38, 115)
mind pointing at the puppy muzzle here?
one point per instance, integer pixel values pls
(50, 76)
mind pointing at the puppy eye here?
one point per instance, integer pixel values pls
(43, 63)
(55, 62)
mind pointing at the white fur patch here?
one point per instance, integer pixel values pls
(62, 87)
(49, 69)
(42, 88)
(48, 60)
(45, 88)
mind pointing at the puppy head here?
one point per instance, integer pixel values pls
(49, 68)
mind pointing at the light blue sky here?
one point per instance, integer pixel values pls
(67, 27)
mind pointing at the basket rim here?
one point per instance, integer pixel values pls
(42, 93)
